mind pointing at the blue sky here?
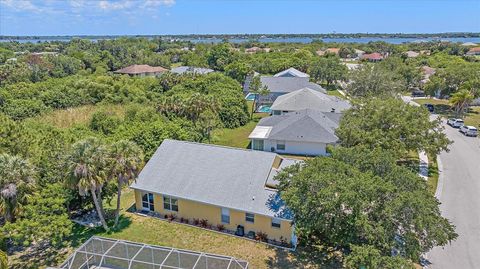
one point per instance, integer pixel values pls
(129, 17)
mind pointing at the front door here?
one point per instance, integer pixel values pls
(147, 202)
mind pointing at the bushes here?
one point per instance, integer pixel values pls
(19, 109)
(104, 122)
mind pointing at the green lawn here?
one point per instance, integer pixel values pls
(335, 93)
(432, 173)
(237, 137)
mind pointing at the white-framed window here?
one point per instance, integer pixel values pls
(147, 201)
(226, 215)
(276, 223)
(170, 203)
(249, 217)
(280, 145)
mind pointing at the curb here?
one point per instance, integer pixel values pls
(439, 190)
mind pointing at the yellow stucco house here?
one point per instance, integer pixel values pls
(228, 186)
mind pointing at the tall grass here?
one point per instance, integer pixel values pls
(66, 118)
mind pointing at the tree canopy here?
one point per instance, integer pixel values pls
(362, 197)
(391, 124)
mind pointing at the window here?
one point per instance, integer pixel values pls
(225, 215)
(257, 144)
(277, 112)
(276, 223)
(249, 217)
(147, 201)
(280, 145)
(170, 203)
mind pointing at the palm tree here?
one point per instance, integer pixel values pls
(460, 100)
(87, 171)
(3, 260)
(127, 161)
(16, 181)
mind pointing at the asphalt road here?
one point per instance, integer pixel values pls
(459, 193)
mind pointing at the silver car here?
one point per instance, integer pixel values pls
(469, 130)
(455, 123)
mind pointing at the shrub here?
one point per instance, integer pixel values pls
(261, 236)
(104, 122)
(196, 222)
(171, 217)
(204, 223)
(220, 227)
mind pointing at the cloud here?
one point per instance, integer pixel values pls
(20, 5)
(128, 4)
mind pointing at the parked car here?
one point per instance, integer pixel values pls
(455, 123)
(451, 121)
(430, 107)
(418, 93)
(469, 130)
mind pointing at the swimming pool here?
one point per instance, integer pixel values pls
(264, 109)
(250, 96)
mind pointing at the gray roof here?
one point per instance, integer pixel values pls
(191, 69)
(288, 84)
(309, 99)
(217, 175)
(292, 72)
(303, 126)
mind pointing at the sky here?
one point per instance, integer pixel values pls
(156, 17)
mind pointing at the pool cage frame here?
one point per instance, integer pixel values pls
(106, 253)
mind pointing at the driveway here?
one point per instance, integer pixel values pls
(459, 193)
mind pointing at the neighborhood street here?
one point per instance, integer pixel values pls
(459, 193)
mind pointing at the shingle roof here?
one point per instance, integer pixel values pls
(309, 99)
(292, 72)
(288, 84)
(140, 69)
(476, 49)
(306, 125)
(191, 69)
(222, 176)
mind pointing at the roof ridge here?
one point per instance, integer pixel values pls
(215, 145)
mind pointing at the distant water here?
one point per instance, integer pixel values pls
(303, 40)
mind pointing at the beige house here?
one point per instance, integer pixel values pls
(225, 186)
(141, 70)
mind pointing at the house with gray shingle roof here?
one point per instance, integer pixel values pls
(303, 132)
(226, 186)
(191, 69)
(278, 86)
(307, 98)
(292, 72)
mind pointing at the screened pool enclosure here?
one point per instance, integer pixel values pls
(104, 253)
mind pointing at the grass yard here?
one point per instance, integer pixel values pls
(237, 137)
(432, 173)
(154, 231)
(335, 93)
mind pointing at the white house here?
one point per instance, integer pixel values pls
(303, 132)
(307, 98)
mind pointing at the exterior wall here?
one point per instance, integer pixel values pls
(191, 209)
(298, 148)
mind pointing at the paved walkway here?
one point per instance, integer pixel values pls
(423, 165)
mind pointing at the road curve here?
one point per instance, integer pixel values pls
(459, 193)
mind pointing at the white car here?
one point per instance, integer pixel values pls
(455, 123)
(469, 130)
